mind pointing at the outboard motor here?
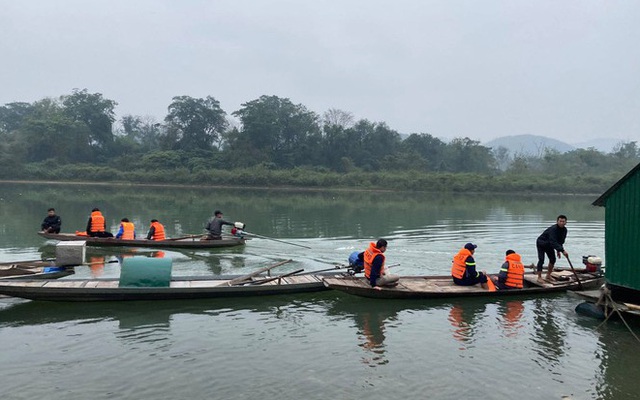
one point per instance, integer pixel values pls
(356, 263)
(238, 229)
(592, 263)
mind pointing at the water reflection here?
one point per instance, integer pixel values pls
(464, 317)
(511, 314)
(548, 335)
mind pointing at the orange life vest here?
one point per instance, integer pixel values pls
(369, 255)
(515, 274)
(128, 230)
(97, 222)
(158, 234)
(459, 265)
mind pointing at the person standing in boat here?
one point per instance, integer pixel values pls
(156, 231)
(374, 269)
(463, 268)
(511, 275)
(214, 226)
(550, 243)
(127, 230)
(97, 225)
(52, 222)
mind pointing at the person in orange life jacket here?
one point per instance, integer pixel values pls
(463, 269)
(156, 231)
(52, 222)
(127, 230)
(374, 269)
(97, 226)
(551, 239)
(511, 272)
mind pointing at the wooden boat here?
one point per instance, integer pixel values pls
(425, 287)
(192, 242)
(36, 269)
(179, 288)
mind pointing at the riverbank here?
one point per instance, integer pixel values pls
(313, 180)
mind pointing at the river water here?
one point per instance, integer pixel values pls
(311, 346)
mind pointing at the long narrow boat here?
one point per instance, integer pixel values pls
(179, 288)
(36, 269)
(426, 287)
(191, 242)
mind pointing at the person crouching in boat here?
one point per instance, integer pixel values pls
(97, 226)
(463, 269)
(127, 230)
(374, 269)
(52, 222)
(156, 231)
(511, 274)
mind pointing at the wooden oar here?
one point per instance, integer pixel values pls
(574, 273)
(276, 240)
(273, 278)
(241, 279)
(100, 262)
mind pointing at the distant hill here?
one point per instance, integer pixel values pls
(529, 145)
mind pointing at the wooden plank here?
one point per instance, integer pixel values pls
(243, 278)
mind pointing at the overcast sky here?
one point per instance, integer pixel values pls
(482, 69)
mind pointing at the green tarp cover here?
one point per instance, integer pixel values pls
(145, 272)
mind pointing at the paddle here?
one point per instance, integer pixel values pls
(276, 240)
(574, 273)
(241, 279)
(100, 262)
(273, 278)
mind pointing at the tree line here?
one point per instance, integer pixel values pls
(79, 130)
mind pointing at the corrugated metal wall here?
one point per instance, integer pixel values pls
(622, 234)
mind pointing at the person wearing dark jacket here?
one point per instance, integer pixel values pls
(550, 243)
(52, 222)
(214, 227)
(463, 268)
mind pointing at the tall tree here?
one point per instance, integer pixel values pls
(284, 133)
(94, 111)
(194, 123)
(12, 115)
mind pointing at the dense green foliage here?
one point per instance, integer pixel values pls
(276, 143)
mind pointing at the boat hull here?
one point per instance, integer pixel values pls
(179, 289)
(189, 243)
(433, 287)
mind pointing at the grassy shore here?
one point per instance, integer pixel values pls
(310, 179)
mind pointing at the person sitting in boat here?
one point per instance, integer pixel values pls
(511, 274)
(374, 269)
(97, 226)
(156, 231)
(127, 230)
(52, 222)
(214, 226)
(463, 269)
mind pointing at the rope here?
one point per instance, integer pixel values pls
(606, 295)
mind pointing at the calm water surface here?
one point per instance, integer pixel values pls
(315, 346)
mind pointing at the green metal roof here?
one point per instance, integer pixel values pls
(600, 201)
